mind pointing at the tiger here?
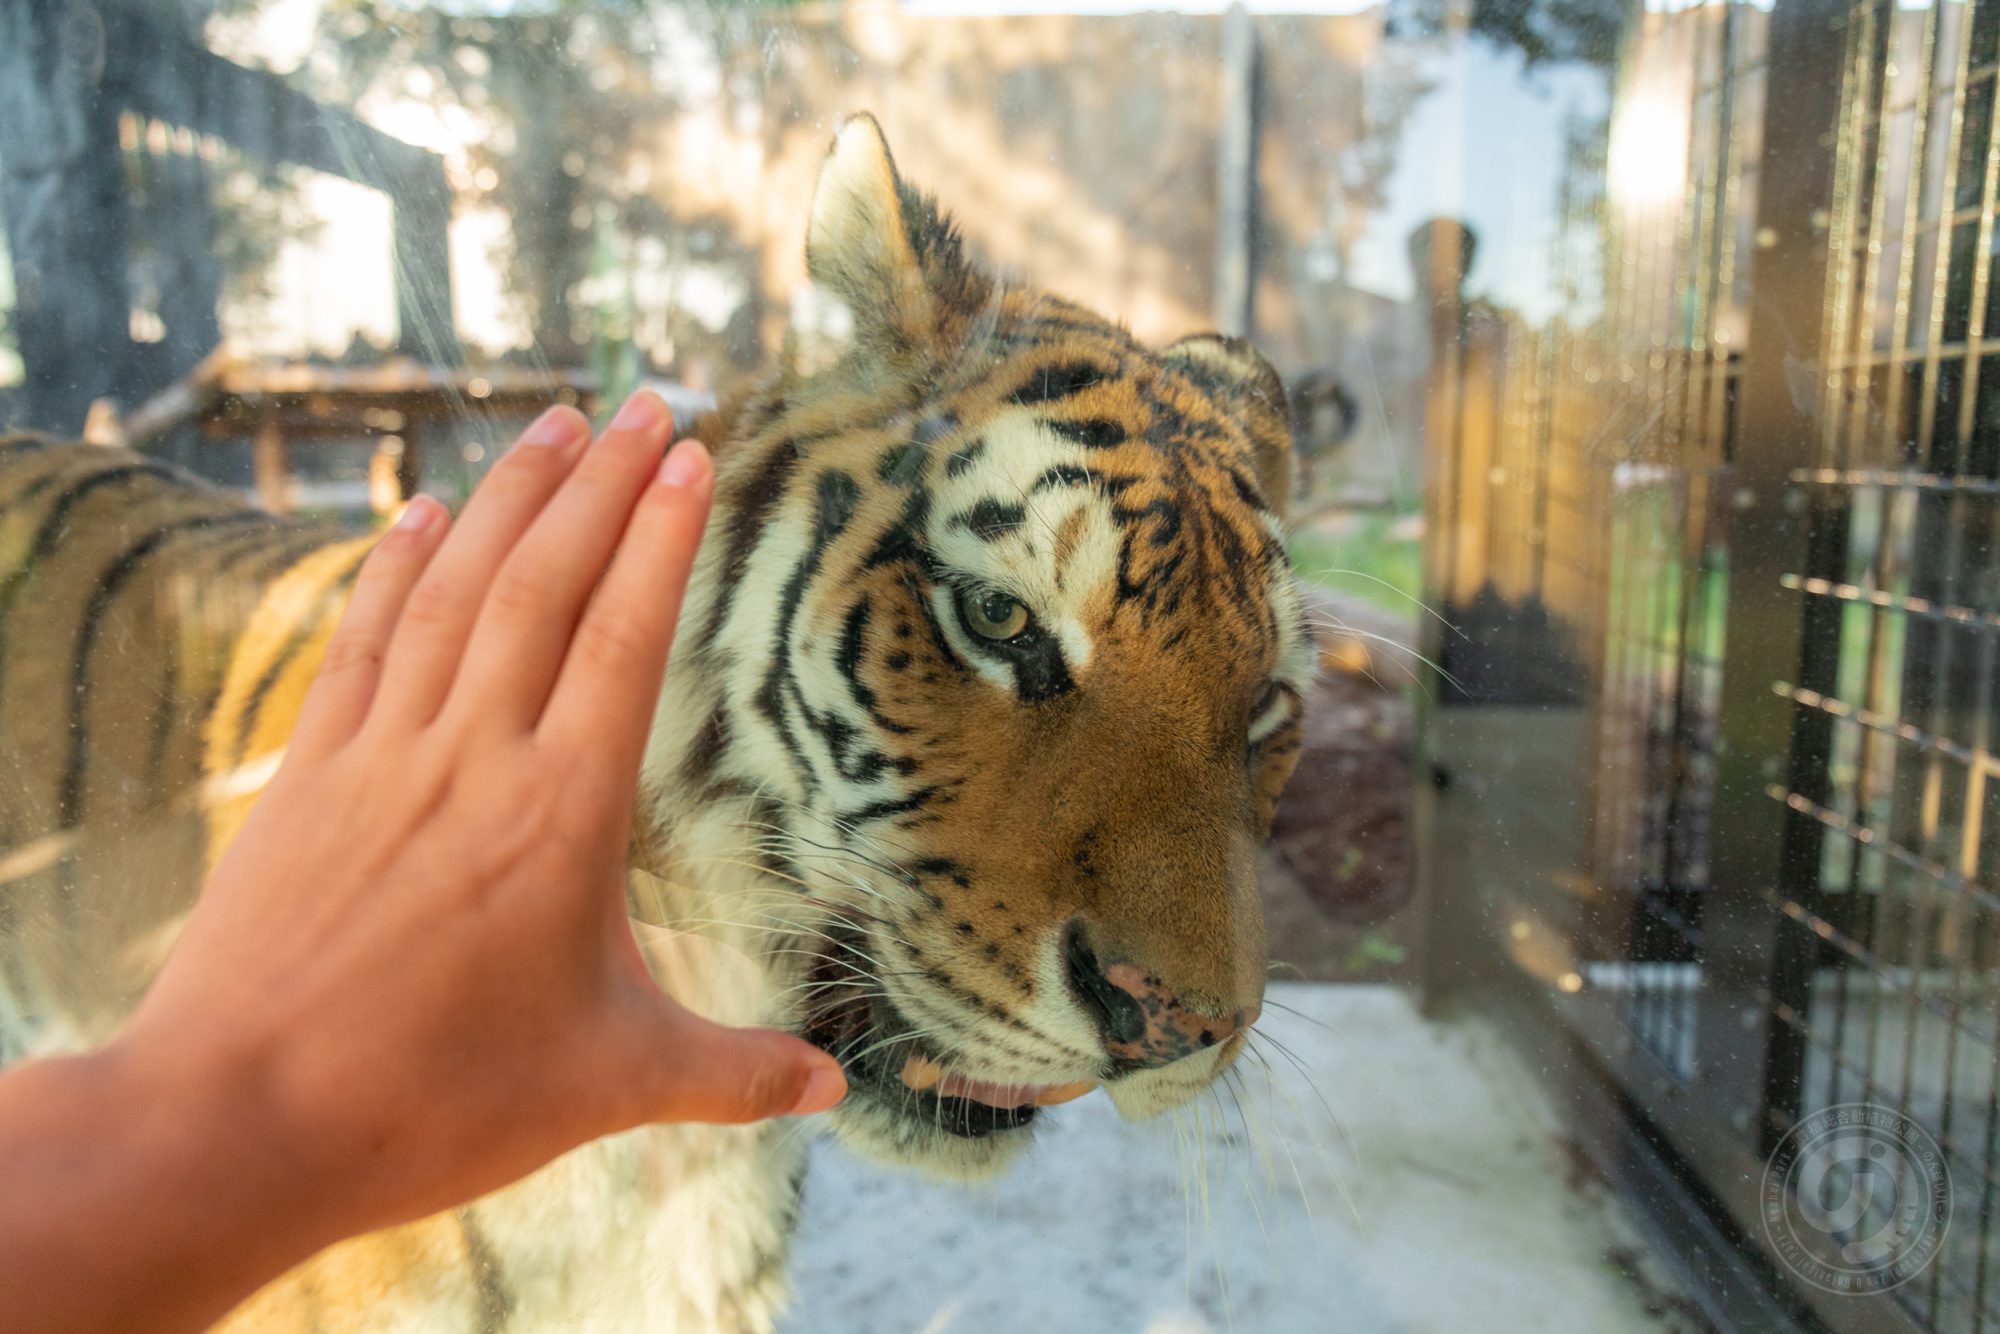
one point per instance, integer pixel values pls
(987, 682)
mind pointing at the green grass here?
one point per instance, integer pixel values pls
(1367, 564)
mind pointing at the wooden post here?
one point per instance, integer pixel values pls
(273, 473)
(1236, 178)
(410, 464)
(62, 191)
(1451, 930)
(1440, 252)
(385, 482)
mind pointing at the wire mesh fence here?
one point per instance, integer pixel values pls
(1773, 401)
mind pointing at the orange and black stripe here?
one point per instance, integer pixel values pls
(126, 589)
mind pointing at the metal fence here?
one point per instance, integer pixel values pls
(1714, 736)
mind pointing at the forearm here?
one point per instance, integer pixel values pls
(142, 1199)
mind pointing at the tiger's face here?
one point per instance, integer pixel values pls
(996, 653)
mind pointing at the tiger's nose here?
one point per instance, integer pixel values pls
(1144, 1023)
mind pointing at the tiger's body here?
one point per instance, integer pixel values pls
(984, 690)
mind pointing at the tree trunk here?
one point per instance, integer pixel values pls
(62, 192)
(174, 242)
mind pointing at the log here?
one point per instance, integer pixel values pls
(182, 403)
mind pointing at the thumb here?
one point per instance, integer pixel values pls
(703, 1071)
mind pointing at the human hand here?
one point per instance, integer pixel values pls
(414, 963)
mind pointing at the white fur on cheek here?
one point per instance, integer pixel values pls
(1298, 650)
(747, 637)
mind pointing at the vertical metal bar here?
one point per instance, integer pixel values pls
(1745, 1062)
(1794, 953)
(1236, 178)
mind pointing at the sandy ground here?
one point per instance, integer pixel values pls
(1425, 1186)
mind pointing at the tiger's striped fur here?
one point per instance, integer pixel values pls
(122, 587)
(873, 821)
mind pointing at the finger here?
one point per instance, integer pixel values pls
(352, 666)
(429, 639)
(609, 681)
(694, 1070)
(539, 594)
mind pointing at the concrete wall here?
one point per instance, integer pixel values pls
(1080, 154)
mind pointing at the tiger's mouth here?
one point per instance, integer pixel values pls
(888, 1063)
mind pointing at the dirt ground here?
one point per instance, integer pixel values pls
(1337, 872)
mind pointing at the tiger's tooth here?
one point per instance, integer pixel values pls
(1059, 1093)
(921, 1072)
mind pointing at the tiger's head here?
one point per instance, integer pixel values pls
(995, 662)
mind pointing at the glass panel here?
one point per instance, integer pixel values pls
(1227, 521)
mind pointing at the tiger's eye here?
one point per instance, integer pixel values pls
(992, 615)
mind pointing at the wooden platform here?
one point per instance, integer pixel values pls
(399, 404)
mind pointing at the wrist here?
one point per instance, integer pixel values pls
(146, 1192)
(214, 1125)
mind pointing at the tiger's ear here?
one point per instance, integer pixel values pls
(1246, 385)
(886, 250)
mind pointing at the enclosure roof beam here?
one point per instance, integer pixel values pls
(171, 77)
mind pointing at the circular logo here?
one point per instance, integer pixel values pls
(1856, 1199)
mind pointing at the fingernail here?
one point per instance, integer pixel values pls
(825, 1087)
(642, 412)
(557, 426)
(417, 515)
(684, 464)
